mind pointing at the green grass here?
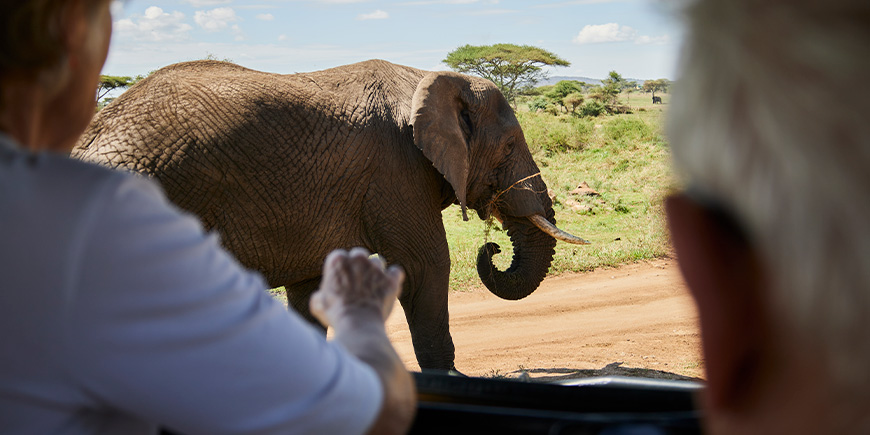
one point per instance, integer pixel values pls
(624, 157)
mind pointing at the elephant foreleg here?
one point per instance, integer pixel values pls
(424, 300)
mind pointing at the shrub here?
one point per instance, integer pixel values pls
(592, 108)
(628, 129)
(539, 103)
(573, 100)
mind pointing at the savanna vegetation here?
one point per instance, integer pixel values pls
(602, 152)
(624, 160)
(607, 137)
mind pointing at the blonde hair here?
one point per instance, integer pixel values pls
(771, 118)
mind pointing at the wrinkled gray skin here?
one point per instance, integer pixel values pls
(289, 167)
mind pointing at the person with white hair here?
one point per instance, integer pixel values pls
(770, 133)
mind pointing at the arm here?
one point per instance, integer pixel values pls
(166, 327)
(356, 297)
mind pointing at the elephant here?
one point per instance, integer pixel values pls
(287, 168)
(657, 100)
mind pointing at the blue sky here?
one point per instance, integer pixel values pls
(637, 38)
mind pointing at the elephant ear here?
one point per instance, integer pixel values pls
(442, 127)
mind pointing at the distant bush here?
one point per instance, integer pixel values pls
(539, 103)
(573, 100)
(592, 108)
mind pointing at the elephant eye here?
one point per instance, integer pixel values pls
(466, 124)
(509, 145)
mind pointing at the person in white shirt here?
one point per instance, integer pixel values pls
(119, 314)
(770, 133)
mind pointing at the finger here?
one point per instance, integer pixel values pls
(359, 252)
(378, 261)
(396, 274)
(316, 304)
(397, 277)
(334, 258)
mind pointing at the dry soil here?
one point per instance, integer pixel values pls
(635, 320)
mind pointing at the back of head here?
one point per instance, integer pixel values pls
(770, 118)
(30, 35)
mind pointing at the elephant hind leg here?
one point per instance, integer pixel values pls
(299, 294)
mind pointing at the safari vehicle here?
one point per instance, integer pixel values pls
(612, 405)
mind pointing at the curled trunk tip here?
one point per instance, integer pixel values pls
(532, 253)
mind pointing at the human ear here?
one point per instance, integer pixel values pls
(723, 274)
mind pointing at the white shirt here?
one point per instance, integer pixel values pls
(118, 314)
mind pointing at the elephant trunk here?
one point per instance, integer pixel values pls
(533, 253)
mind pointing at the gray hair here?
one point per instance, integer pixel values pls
(770, 117)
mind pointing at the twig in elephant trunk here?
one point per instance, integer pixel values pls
(542, 223)
(497, 196)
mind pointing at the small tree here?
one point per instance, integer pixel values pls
(110, 83)
(562, 89)
(612, 86)
(511, 67)
(599, 94)
(658, 85)
(573, 100)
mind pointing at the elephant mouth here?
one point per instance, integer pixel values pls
(484, 211)
(540, 222)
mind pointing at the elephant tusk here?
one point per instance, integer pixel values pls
(544, 225)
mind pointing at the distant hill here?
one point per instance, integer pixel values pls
(556, 79)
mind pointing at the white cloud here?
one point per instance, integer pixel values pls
(376, 15)
(204, 3)
(610, 32)
(154, 25)
(215, 19)
(282, 37)
(657, 40)
(265, 17)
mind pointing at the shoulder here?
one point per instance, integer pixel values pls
(58, 184)
(62, 175)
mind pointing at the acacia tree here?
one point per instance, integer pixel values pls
(562, 89)
(110, 83)
(658, 85)
(511, 67)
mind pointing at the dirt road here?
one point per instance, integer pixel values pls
(636, 320)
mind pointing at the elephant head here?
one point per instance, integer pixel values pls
(469, 132)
